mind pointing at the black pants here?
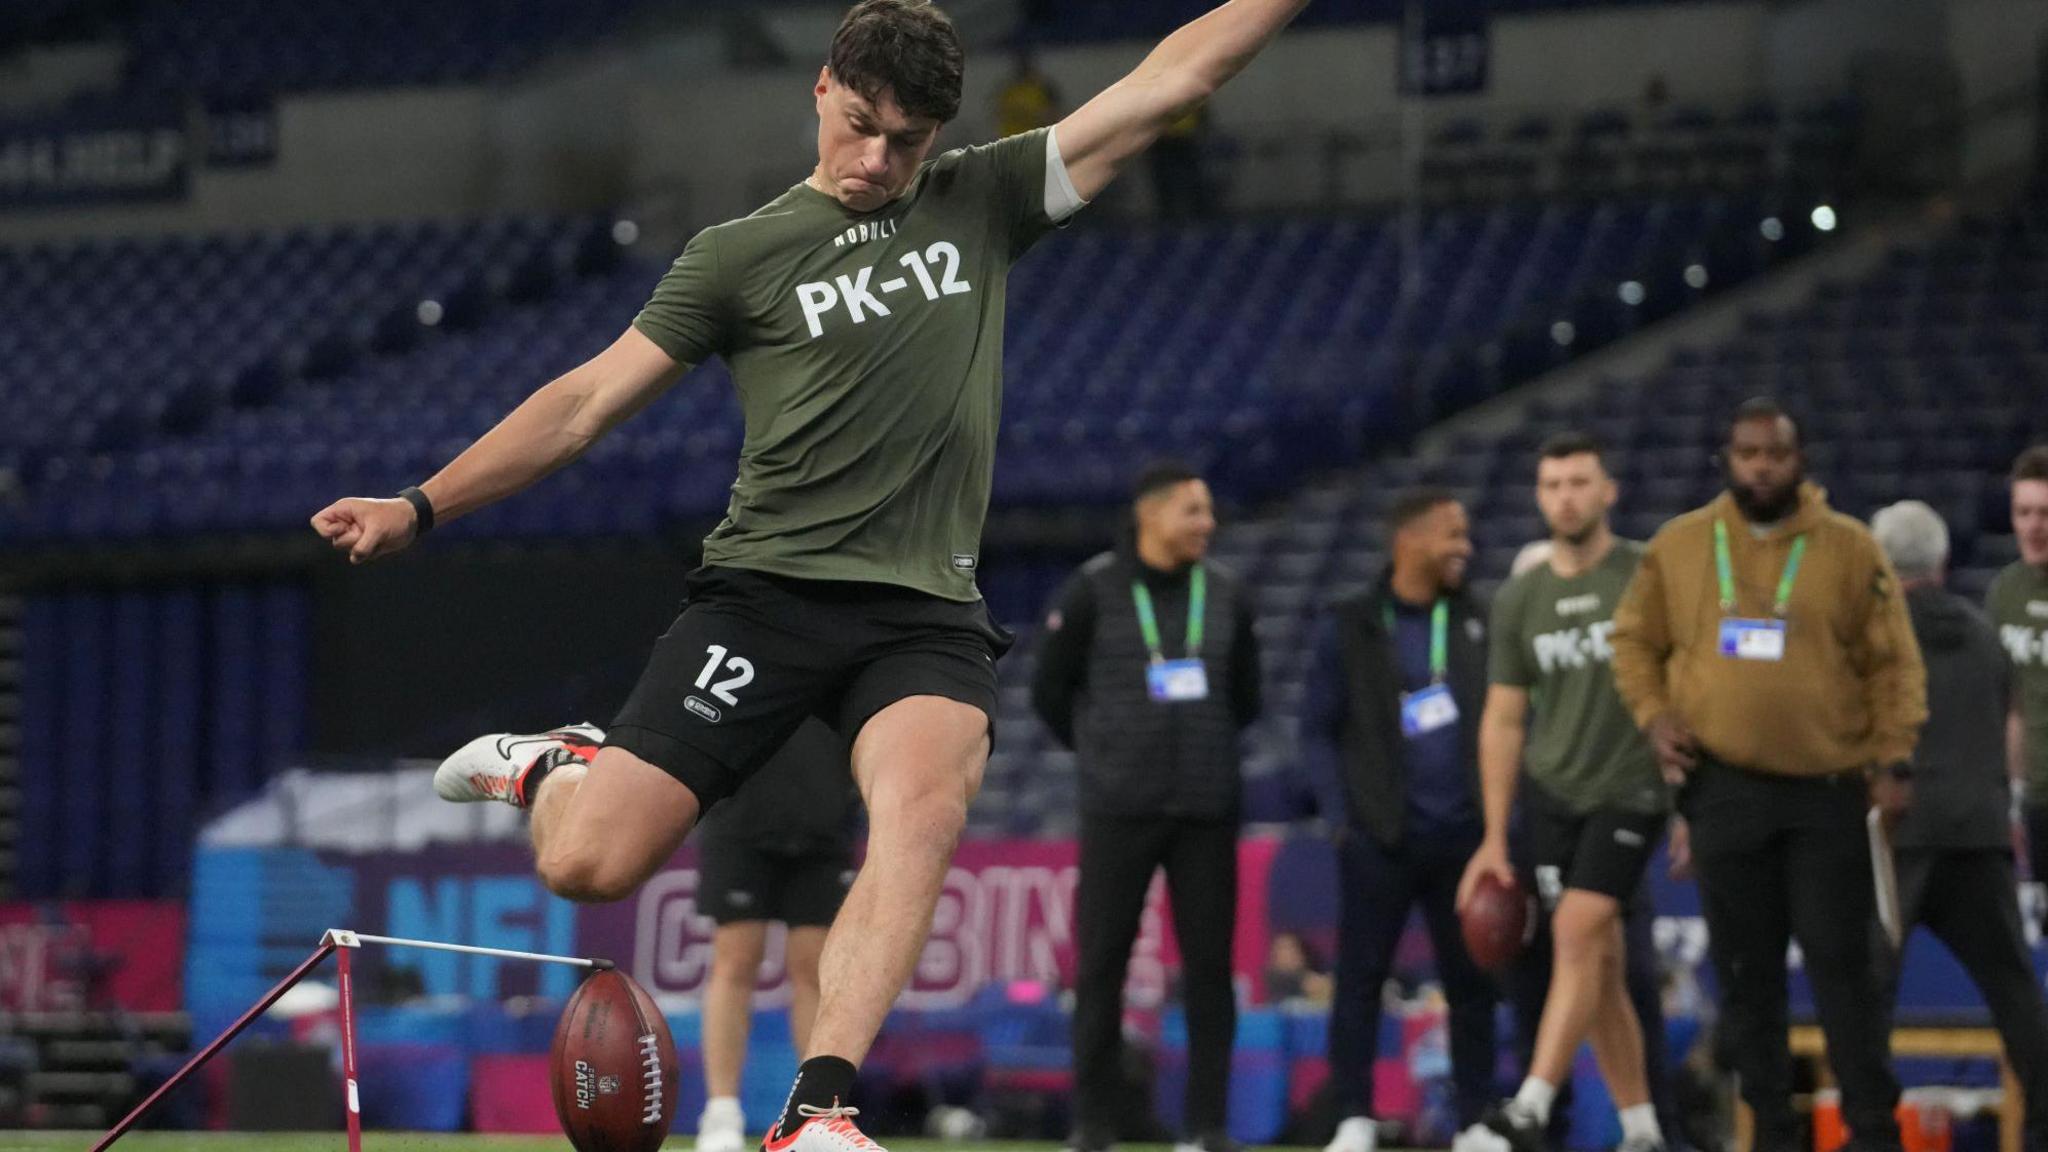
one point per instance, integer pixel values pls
(1968, 900)
(1529, 987)
(1780, 857)
(1379, 888)
(1118, 858)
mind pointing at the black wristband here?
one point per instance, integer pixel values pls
(422, 508)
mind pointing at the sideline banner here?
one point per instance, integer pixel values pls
(1006, 913)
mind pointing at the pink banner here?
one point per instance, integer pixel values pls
(1006, 914)
(91, 954)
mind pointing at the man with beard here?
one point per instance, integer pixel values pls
(1390, 736)
(1595, 803)
(1765, 649)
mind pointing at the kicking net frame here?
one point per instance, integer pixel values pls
(340, 943)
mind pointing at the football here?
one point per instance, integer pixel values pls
(614, 1067)
(1495, 923)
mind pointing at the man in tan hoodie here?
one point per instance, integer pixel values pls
(1765, 648)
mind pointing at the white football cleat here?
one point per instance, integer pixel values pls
(494, 767)
(823, 1130)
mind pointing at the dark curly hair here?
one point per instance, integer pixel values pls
(904, 47)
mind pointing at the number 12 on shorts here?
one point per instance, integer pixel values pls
(741, 668)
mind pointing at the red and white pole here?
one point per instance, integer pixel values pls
(352, 1100)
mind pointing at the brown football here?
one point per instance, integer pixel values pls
(1495, 922)
(614, 1067)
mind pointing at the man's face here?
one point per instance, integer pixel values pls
(1765, 468)
(1181, 519)
(2030, 520)
(1440, 540)
(1575, 495)
(868, 151)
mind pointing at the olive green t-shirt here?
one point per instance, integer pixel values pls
(1550, 637)
(867, 349)
(2018, 603)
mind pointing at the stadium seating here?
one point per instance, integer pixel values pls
(181, 387)
(233, 47)
(1073, 20)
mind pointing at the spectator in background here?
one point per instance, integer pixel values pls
(2019, 607)
(1149, 670)
(1293, 972)
(780, 850)
(1390, 740)
(1954, 848)
(1764, 647)
(1027, 100)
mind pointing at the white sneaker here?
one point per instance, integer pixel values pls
(823, 1130)
(494, 767)
(1358, 1134)
(1480, 1138)
(722, 1127)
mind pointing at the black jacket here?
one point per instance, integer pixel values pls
(1352, 747)
(1139, 757)
(1960, 794)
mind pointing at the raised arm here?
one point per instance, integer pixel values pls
(548, 429)
(1185, 69)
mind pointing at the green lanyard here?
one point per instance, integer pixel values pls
(1725, 569)
(1148, 623)
(1439, 637)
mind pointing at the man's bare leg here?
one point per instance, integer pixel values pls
(917, 762)
(801, 956)
(1587, 930)
(600, 830)
(736, 951)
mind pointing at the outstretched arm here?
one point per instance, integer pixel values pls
(549, 429)
(1185, 69)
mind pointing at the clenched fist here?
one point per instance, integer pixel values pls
(367, 529)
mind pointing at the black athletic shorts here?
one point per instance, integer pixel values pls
(753, 655)
(1604, 851)
(739, 881)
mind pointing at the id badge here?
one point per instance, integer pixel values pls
(1427, 711)
(1177, 681)
(1753, 640)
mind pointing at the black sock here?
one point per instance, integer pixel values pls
(548, 761)
(822, 1082)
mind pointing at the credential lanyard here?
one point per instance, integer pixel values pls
(1724, 568)
(1148, 621)
(1439, 637)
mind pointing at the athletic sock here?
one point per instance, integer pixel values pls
(821, 1082)
(1537, 1096)
(1639, 1122)
(529, 783)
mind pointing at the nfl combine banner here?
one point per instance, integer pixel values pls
(1005, 914)
(116, 154)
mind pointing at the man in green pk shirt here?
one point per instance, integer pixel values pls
(861, 313)
(1596, 800)
(2018, 604)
